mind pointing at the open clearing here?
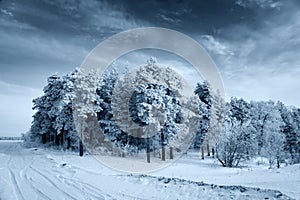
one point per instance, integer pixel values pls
(36, 173)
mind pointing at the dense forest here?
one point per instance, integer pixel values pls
(232, 132)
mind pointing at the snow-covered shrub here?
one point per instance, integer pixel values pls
(236, 142)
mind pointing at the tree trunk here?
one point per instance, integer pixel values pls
(62, 139)
(163, 153)
(47, 137)
(68, 143)
(52, 137)
(148, 150)
(223, 163)
(44, 138)
(80, 148)
(208, 151)
(91, 137)
(57, 139)
(213, 152)
(171, 153)
(202, 152)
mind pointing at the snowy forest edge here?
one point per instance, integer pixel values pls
(248, 129)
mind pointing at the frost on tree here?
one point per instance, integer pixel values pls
(53, 121)
(203, 91)
(237, 140)
(212, 110)
(290, 129)
(267, 122)
(152, 107)
(146, 109)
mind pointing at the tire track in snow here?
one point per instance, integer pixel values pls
(86, 188)
(16, 187)
(14, 151)
(96, 189)
(52, 183)
(30, 183)
(24, 174)
(86, 193)
(8, 151)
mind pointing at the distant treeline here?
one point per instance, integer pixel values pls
(11, 138)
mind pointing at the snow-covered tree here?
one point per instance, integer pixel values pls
(79, 98)
(203, 91)
(272, 136)
(53, 121)
(236, 141)
(152, 102)
(273, 147)
(259, 115)
(48, 107)
(105, 115)
(84, 106)
(292, 134)
(217, 117)
(296, 125)
(289, 129)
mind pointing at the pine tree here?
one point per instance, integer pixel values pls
(84, 106)
(289, 129)
(217, 117)
(296, 128)
(203, 91)
(53, 122)
(47, 107)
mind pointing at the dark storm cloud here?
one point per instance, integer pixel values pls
(41, 37)
(190, 16)
(255, 43)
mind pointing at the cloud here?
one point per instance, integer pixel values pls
(260, 61)
(254, 43)
(215, 46)
(180, 65)
(260, 3)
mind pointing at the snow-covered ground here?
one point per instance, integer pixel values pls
(35, 173)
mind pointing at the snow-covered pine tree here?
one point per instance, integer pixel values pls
(295, 112)
(217, 115)
(64, 123)
(289, 129)
(145, 103)
(111, 132)
(41, 123)
(259, 115)
(53, 121)
(84, 106)
(203, 91)
(153, 109)
(47, 107)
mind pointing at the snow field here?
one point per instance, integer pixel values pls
(36, 173)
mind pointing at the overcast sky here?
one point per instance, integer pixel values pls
(255, 44)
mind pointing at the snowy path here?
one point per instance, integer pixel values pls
(28, 173)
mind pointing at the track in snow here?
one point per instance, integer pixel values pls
(46, 174)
